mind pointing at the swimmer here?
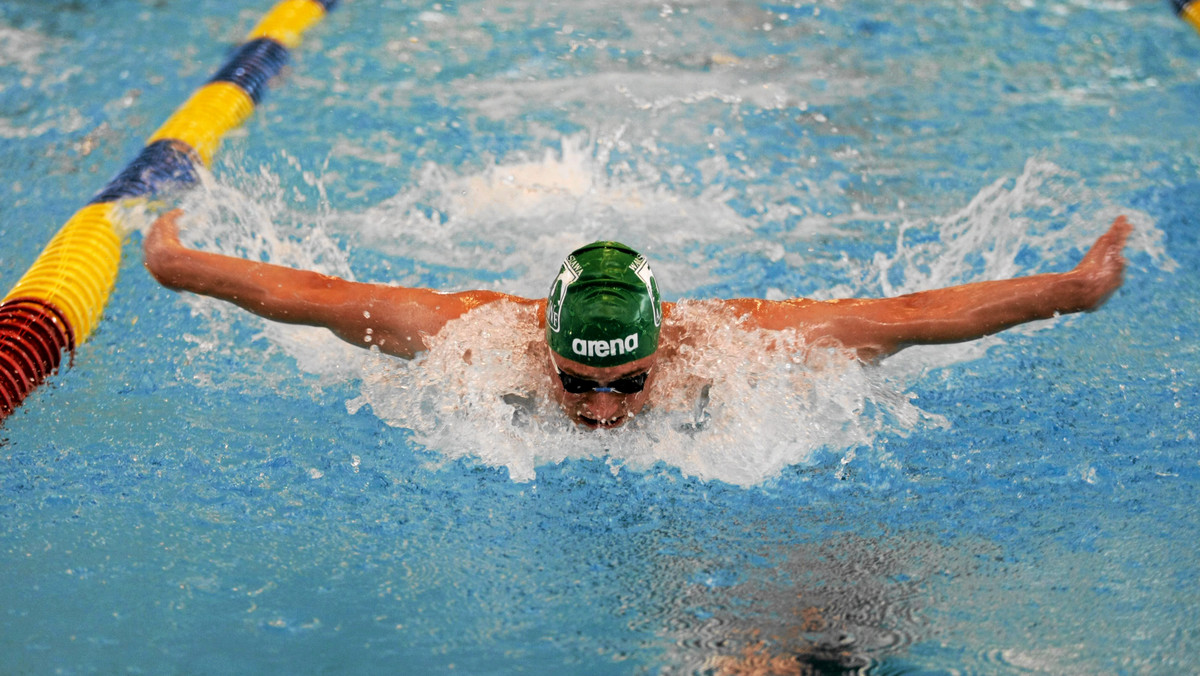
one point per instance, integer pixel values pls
(605, 324)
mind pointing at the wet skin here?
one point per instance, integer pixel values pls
(600, 410)
(400, 318)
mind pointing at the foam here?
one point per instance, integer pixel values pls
(517, 220)
(739, 408)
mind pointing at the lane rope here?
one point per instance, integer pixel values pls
(56, 305)
(1189, 11)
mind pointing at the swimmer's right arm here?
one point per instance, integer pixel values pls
(395, 319)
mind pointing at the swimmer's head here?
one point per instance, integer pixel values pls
(604, 308)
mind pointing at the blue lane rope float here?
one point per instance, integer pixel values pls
(56, 304)
(1189, 11)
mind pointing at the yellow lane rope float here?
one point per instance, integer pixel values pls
(1189, 11)
(58, 302)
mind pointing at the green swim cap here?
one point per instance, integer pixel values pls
(604, 308)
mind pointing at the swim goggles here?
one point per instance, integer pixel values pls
(631, 384)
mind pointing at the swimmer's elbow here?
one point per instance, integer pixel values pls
(875, 353)
(402, 347)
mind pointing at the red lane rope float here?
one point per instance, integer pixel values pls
(60, 299)
(33, 337)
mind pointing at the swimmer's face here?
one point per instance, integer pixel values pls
(606, 399)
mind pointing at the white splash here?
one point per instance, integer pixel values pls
(739, 408)
(517, 221)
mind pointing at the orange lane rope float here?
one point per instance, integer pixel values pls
(58, 301)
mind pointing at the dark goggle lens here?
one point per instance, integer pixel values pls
(627, 385)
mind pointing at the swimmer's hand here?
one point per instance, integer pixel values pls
(162, 249)
(1101, 271)
(874, 328)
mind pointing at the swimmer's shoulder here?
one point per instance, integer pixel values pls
(684, 322)
(479, 298)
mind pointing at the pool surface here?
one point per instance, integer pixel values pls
(203, 492)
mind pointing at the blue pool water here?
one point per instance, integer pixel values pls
(202, 492)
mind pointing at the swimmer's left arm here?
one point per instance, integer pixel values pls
(876, 328)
